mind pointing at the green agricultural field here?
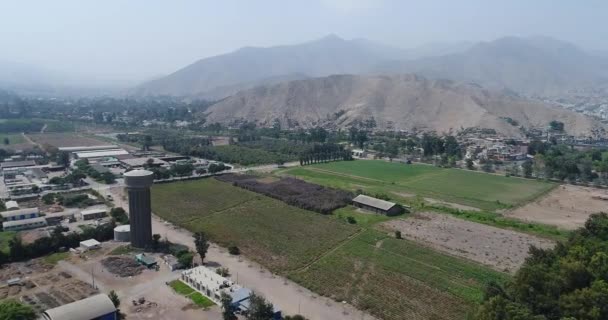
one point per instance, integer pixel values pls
(182, 202)
(398, 279)
(277, 235)
(398, 180)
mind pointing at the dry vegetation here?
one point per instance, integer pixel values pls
(294, 192)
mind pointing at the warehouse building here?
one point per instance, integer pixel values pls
(139, 163)
(98, 154)
(21, 214)
(18, 225)
(377, 205)
(17, 164)
(88, 148)
(97, 307)
(92, 214)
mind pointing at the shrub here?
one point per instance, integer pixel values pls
(234, 250)
(351, 220)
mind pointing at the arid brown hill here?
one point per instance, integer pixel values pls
(403, 102)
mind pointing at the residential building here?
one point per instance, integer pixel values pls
(20, 214)
(18, 225)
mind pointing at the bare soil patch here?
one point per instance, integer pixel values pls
(503, 250)
(567, 207)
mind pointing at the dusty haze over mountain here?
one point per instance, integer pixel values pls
(404, 102)
(123, 42)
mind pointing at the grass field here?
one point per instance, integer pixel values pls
(269, 231)
(12, 138)
(185, 290)
(5, 237)
(398, 279)
(54, 258)
(398, 180)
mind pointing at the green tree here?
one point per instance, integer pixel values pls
(155, 241)
(63, 158)
(185, 259)
(527, 169)
(202, 245)
(566, 282)
(259, 308)
(226, 303)
(487, 167)
(470, 164)
(114, 297)
(13, 310)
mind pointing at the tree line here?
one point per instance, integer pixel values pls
(567, 282)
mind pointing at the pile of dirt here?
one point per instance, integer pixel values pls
(122, 266)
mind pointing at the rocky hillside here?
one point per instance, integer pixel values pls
(402, 102)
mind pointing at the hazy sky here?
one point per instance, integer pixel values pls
(134, 40)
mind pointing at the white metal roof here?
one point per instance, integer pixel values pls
(102, 153)
(90, 243)
(7, 224)
(90, 308)
(88, 148)
(13, 213)
(11, 204)
(373, 202)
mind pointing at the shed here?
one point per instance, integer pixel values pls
(145, 260)
(172, 262)
(90, 244)
(11, 205)
(95, 307)
(93, 214)
(377, 205)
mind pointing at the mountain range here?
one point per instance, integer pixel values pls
(533, 66)
(398, 102)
